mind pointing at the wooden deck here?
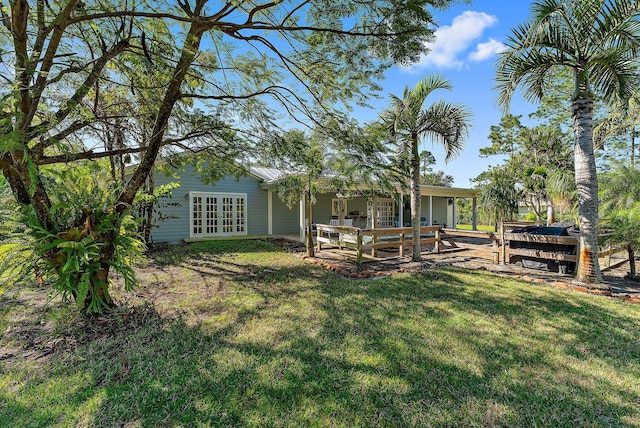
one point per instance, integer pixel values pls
(362, 240)
(493, 246)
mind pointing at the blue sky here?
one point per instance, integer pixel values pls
(469, 36)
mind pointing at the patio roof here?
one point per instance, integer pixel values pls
(270, 176)
(450, 192)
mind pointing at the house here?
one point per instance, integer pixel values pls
(249, 206)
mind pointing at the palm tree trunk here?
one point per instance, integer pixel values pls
(587, 187)
(415, 201)
(632, 261)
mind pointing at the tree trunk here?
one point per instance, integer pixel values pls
(100, 287)
(147, 222)
(551, 214)
(415, 201)
(310, 249)
(632, 260)
(587, 188)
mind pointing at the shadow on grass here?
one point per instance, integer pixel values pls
(294, 345)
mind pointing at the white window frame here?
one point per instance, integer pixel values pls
(219, 214)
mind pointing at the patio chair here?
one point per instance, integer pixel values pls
(345, 222)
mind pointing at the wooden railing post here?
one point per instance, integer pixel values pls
(402, 245)
(359, 246)
(438, 240)
(318, 235)
(374, 251)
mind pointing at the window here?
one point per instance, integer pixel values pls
(217, 214)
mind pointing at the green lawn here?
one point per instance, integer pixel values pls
(482, 227)
(245, 334)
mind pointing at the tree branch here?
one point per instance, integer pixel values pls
(72, 157)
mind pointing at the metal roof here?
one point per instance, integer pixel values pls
(267, 174)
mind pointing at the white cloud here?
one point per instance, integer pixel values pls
(454, 40)
(486, 50)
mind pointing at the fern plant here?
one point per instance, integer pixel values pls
(89, 240)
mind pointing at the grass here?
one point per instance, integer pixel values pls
(481, 227)
(245, 334)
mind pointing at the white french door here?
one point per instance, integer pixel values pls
(217, 214)
(384, 213)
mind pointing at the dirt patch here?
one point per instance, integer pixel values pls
(388, 262)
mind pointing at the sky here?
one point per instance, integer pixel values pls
(468, 39)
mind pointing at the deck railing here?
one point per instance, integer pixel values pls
(498, 249)
(373, 239)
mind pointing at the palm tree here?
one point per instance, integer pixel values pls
(625, 224)
(598, 41)
(620, 188)
(498, 195)
(441, 122)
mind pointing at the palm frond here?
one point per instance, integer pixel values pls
(447, 124)
(598, 39)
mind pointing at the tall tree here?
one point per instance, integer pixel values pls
(598, 42)
(409, 123)
(302, 160)
(430, 177)
(227, 68)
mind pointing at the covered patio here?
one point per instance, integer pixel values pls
(388, 212)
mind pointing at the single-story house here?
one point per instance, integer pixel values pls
(249, 205)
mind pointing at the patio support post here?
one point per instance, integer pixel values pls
(374, 223)
(454, 215)
(503, 259)
(270, 211)
(303, 225)
(374, 213)
(401, 211)
(474, 220)
(430, 210)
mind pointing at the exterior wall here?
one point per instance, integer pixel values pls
(177, 228)
(321, 210)
(440, 210)
(285, 220)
